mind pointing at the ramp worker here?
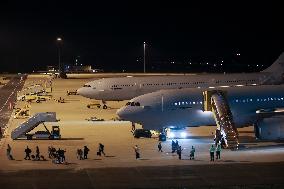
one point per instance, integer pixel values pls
(212, 151)
(192, 151)
(218, 151)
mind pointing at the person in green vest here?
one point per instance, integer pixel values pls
(218, 151)
(212, 151)
(192, 151)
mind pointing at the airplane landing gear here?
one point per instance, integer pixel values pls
(162, 136)
(104, 104)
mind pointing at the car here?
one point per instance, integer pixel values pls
(142, 133)
(176, 132)
(94, 119)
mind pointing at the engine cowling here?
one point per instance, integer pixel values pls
(270, 128)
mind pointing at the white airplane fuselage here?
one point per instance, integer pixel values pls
(116, 89)
(184, 107)
(125, 88)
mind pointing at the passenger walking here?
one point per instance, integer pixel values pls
(160, 147)
(8, 152)
(101, 149)
(173, 146)
(61, 155)
(137, 151)
(179, 150)
(37, 157)
(80, 154)
(53, 152)
(192, 152)
(28, 152)
(132, 127)
(49, 150)
(212, 151)
(218, 151)
(86, 151)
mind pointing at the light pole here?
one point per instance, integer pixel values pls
(59, 40)
(144, 57)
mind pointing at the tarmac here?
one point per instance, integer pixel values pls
(256, 163)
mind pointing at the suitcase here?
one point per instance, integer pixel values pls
(98, 153)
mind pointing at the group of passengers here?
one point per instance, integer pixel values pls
(177, 148)
(58, 156)
(36, 157)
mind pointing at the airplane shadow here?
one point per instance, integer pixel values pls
(50, 139)
(244, 147)
(110, 156)
(191, 159)
(143, 159)
(72, 138)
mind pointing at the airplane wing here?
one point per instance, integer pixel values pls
(266, 113)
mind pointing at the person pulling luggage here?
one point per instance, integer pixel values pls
(137, 151)
(101, 150)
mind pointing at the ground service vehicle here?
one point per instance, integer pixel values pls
(142, 133)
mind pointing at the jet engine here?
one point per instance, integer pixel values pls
(270, 128)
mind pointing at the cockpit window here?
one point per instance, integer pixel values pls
(86, 85)
(132, 104)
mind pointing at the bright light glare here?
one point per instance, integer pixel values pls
(172, 135)
(183, 134)
(59, 39)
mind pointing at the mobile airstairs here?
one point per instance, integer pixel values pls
(33, 122)
(216, 102)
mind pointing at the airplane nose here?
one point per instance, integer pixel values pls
(79, 91)
(83, 92)
(130, 113)
(121, 113)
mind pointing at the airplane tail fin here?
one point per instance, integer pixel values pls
(277, 66)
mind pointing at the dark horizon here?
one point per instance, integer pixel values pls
(111, 37)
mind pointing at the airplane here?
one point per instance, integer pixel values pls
(125, 88)
(261, 106)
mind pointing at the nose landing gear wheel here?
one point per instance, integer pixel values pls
(104, 106)
(162, 137)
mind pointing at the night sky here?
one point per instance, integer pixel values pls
(110, 36)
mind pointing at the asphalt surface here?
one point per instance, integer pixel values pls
(257, 175)
(8, 94)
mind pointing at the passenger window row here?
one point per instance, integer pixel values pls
(184, 83)
(259, 99)
(187, 103)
